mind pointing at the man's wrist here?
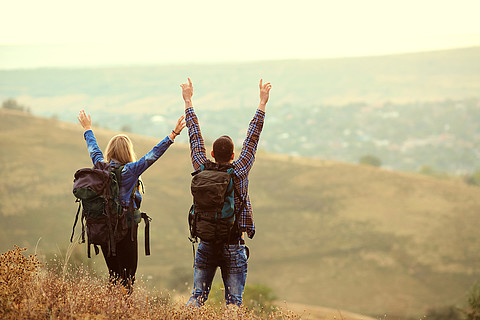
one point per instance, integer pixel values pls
(188, 103)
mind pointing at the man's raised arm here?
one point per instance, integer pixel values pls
(197, 145)
(247, 155)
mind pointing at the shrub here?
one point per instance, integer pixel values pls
(257, 298)
(473, 179)
(473, 311)
(444, 313)
(370, 161)
(431, 172)
(16, 274)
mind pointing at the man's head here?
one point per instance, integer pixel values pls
(223, 149)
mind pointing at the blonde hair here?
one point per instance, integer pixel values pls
(120, 149)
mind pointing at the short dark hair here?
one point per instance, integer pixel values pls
(223, 149)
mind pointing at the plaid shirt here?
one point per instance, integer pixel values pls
(241, 166)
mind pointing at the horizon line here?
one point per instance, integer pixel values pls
(215, 61)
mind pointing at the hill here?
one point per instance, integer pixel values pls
(410, 110)
(423, 76)
(331, 234)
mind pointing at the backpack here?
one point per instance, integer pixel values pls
(97, 190)
(213, 217)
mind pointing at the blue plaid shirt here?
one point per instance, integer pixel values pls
(241, 166)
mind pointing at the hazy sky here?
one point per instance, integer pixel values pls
(95, 32)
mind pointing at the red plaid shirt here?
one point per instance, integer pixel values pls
(241, 166)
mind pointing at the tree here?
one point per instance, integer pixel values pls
(370, 160)
(12, 104)
(126, 128)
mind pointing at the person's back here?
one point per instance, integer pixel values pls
(119, 152)
(230, 256)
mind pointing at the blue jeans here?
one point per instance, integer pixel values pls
(232, 260)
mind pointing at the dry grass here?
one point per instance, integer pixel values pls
(29, 290)
(352, 237)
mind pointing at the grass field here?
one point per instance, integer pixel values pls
(329, 234)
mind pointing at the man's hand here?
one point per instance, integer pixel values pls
(187, 93)
(264, 94)
(85, 121)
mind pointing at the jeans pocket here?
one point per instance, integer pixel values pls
(238, 259)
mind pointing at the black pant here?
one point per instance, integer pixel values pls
(124, 265)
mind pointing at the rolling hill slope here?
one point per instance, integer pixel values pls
(410, 110)
(330, 234)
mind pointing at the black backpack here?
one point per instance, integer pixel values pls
(97, 190)
(213, 216)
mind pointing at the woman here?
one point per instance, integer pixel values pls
(120, 152)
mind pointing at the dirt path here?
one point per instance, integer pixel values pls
(309, 312)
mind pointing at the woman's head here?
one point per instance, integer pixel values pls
(120, 149)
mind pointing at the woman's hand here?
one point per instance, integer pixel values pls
(178, 128)
(85, 121)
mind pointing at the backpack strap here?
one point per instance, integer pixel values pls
(112, 248)
(129, 210)
(76, 219)
(75, 223)
(132, 212)
(95, 247)
(83, 228)
(144, 216)
(147, 220)
(111, 244)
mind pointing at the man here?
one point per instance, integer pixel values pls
(230, 256)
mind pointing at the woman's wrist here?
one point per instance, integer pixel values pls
(173, 135)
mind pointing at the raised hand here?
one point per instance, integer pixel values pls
(187, 91)
(264, 93)
(85, 121)
(178, 128)
(180, 124)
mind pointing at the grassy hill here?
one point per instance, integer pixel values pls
(330, 234)
(410, 110)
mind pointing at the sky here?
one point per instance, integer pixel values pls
(92, 33)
